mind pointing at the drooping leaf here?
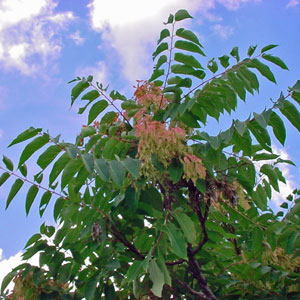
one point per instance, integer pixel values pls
(102, 169)
(178, 244)
(188, 35)
(188, 46)
(278, 127)
(188, 60)
(58, 167)
(117, 172)
(176, 170)
(161, 48)
(235, 53)
(87, 131)
(78, 89)
(32, 147)
(90, 287)
(44, 202)
(263, 69)
(25, 135)
(224, 60)
(157, 277)
(23, 170)
(269, 171)
(290, 111)
(31, 194)
(182, 14)
(163, 34)
(96, 109)
(48, 156)
(8, 163)
(275, 60)
(187, 226)
(71, 168)
(251, 50)
(4, 176)
(58, 206)
(7, 279)
(13, 191)
(132, 166)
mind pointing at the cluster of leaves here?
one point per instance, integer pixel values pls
(192, 222)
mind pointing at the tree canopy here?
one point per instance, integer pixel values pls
(148, 204)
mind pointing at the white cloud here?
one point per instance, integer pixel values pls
(285, 189)
(29, 30)
(77, 38)
(99, 72)
(293, 3)
(222, 30)
(6, 265)
(235, 4)
(129, 26)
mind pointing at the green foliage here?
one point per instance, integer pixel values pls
(151, 206)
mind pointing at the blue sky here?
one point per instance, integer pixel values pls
(45, 43)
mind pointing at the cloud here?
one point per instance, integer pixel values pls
(285, 189)
(77, 38)
(222, 30)
(6, 265)
(292, 3)
(29, 33)
(129, 26)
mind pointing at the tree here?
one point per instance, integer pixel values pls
(153, 207)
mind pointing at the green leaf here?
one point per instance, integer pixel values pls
(187, 226)
(162, 59)
(290, 111)
(90, 287)
(32, 147)
(58, 206)
(4, 176)
(170, 19)
(224, 60)
(278, 127)
(58, 167)
(188, 46)
(212, 65)
(96, 109)
(163, 34)
(44, 202)
(291, 242)
(188, 60)
(175, 170)
(156, 74)
(117, 172)
(23, 170)
(69, 171)
(7, 279)
(188, 35)
(235, 53)
(265, 156)
(135, 270)
(251, 50)
(275, 60)
(266, 48)
(48, 156)
(78, 89)
(31, 194)
(8, 163)
(88, 162)
(87, 131)
(162, 265)
(161, 48)
(132, 166)
(182, 14)
(91, 95)
(237, 85)
(257, 239)
(263, 118)
(109, 292)
(263, 69)
(33, 239)
(157, 277)
(269, 171)
(184, 69)
(13, 191)
(102, 169)
(250, 76)
(25, 135)
(178, 244)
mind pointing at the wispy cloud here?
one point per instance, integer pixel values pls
(29, 33)
(77, 38)
(222, 30)
(293, 3)
(235, 4)
(99, 71)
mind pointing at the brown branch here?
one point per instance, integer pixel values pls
(175, 262)
(197, 274)
(198, 295)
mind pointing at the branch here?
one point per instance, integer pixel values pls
(197, 274)
(175, 262)
(198, 295)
